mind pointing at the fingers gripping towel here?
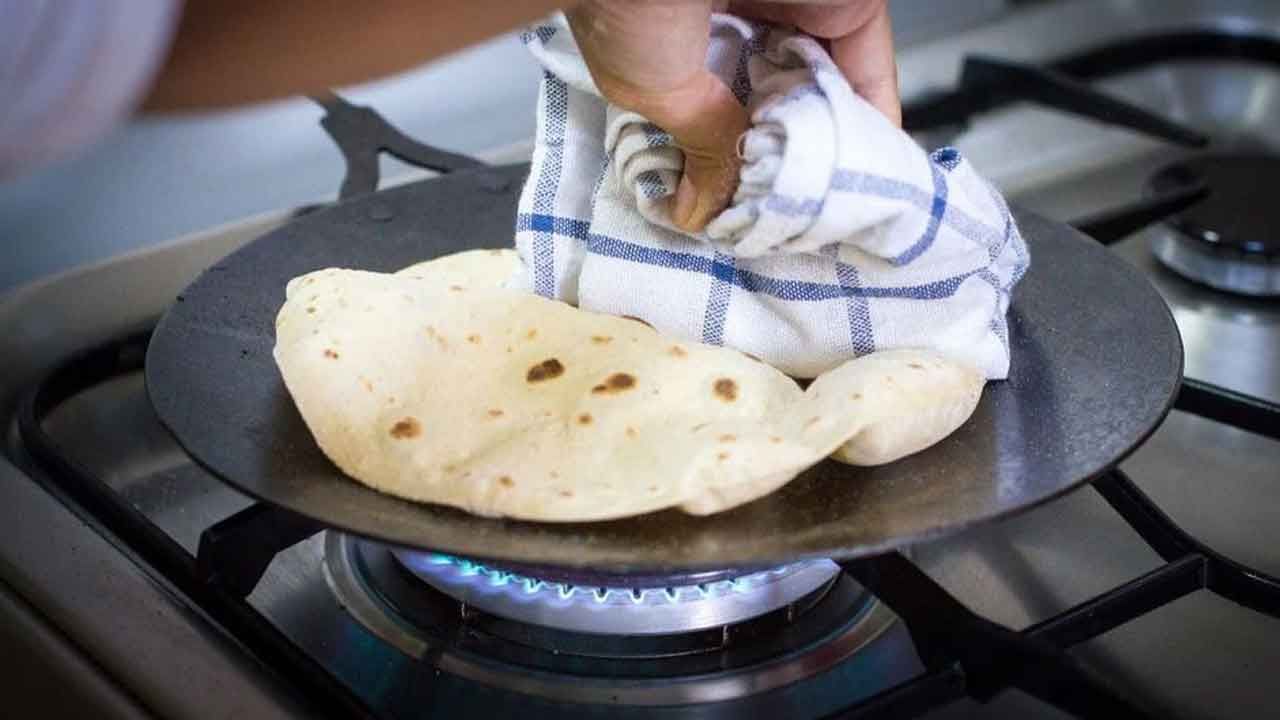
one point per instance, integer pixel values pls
(844, 237)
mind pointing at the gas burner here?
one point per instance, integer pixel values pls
(1231, 240)
(728, 636)
(620, 605)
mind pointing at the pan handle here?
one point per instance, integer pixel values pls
(361, 134)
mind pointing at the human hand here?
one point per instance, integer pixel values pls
(649, 57)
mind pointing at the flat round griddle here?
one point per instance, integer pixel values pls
(1096, 362)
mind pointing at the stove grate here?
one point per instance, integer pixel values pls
(965, 654)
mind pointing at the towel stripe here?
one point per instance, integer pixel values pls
(793, 290)
(862, 337)
(937, 209)
(556, 112)
(723, 269)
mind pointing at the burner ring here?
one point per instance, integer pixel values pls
(678, 604)
(1238, 214)
(589, 578)
(1229, 241)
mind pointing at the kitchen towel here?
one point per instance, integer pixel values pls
(843, 238)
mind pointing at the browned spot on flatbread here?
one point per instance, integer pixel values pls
(406, 428)
(311, 311)
(440, 339)
(533, 333)
(584, 419)
(566, 493)
(614, 384)
(915, 365)
(856, 396)
(677, 351)
(506, 481)
(727, 438)
(368, 386)
(725, 389)
(554, 474)
(308, 281)
(698, 427)
(548, 369)
(495, 252)
(474, 339)
(775, 439)
(722, 456)
(331, 353)
(632, 432)
(495, 413)
(456, 288)
(449, 468)
(811, 422)
(601, 339)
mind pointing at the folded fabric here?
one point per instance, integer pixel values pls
(844, 237)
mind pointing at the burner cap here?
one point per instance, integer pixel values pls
(1229, 241)
(1242, 212)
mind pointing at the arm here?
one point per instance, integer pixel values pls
(229, 52)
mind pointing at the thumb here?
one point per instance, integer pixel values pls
(649, 57)
(705, 121)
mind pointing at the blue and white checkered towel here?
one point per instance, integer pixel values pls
(845, 236)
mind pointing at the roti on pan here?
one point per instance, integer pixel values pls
(439, 385)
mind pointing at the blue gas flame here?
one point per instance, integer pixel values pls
(461, 571)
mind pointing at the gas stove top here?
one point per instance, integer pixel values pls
(193, 612)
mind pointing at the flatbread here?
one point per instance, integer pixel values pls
(439, 385)
(906, 401)
(473, 268)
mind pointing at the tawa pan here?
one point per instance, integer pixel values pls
(1096, 363)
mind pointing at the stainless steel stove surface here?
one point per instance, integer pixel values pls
(347, 628)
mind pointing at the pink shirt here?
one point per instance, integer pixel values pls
(70, 70)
